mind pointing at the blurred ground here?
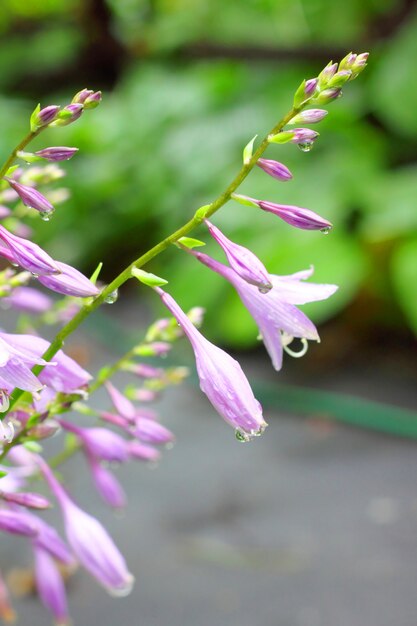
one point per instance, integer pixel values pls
(314, 524)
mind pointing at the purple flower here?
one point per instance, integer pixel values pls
(304, 135)
(31, 197)
(143, 452)
(221, 377)
(151, 431)
(57, 153)
(242, 260)
(143, 370)
(122, 405)
(16, 523)
(293, 215)
(90, 542)
(107, 485)
(275, 169)
(28, 300)
(26, 499)
(275, 313)
(101, 443)
(63, 374)
(69, 114)
(70, 282)
(16, 363)
(310, 86)
(46, 115)
(310, 116)
(50, 586)
(27, 254)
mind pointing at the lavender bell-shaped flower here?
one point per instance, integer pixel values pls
(107, 485)
(50, 586)
(16, 363)
(69, 282)
(28, 300)
(242, 260)
(90, 542)
(101, 443)
(17, 523)
(151, 431)
(293, 215)
(275, 313)
(27, 254)
(221, 378)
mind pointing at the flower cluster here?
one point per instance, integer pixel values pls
(42, 387)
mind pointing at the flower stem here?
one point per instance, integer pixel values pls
(124, 276)
(17, 149)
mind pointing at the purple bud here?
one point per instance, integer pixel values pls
(17, 523)
(339, 79)
(92, 101)
(144, 371)
(70, 282)
(304, 135)
(4, 212)
(310, 86)
(242, 260)
(28, 255)
(296, 216)
(122, 405)
(57, 153)
(31, 197)
(144, 395)
(81, 96)
(28, 300)
(45, 430)
(150, 431)
(107, 485)
(102, 443)
(310, 116)
(143, 452)
(27, 499)
(275, 169)
(69, 114)
(47, 115)
(328, 73)
(50, 586)
(327, 95)
(90, 542)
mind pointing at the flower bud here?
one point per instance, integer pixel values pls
(31, 197)
(27, 254)
(27, 499)
(69, 114)
(327, 95)
(56, 153)
(43, 117)
(310, 116)
(339, 79)
(326, 74)
(92, 101)
(275, 169)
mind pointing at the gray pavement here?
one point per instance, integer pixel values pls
(314, 524)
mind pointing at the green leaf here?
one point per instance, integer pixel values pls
(96, 273)
(248, 151)
(147, 278)
(34, 119)
(189, 242)
(33, 446)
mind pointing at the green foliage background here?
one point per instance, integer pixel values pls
(186, 84)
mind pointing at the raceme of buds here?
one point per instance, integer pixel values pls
(242, 260)
(31, 197)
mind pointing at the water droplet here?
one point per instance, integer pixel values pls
(46, 215)
(112, 297)
(265, 288)
(306, 146)
(326, 230)
(169, 445)
(15, 264)
(121, 592)
(242, 436)
(35, 275)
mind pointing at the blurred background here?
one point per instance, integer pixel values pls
(186, 84)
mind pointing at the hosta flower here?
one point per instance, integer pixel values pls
(69, 282)
(275, 169)
(17, 523)
(90, 542)
(27, 254)
(275, 313)
(16, 363)
(107, 485)
(57, 153)
(101, 443)
(28, 300)
(242, 260)
(221, 377)
(63, 374)
(50, 586)
(31, 197)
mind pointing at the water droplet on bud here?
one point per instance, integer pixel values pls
(306, 146)
(112, 297)
(265, 288)
(242, 436)
(46, 215)
(326, 230)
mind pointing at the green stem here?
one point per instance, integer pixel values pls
(20, 146)
(198, 217)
